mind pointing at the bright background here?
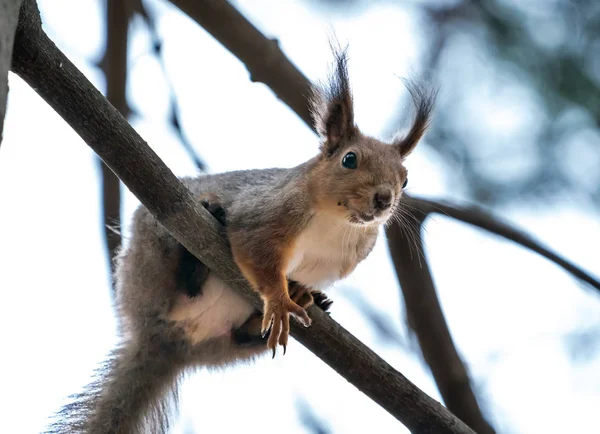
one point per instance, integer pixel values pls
(529, 332)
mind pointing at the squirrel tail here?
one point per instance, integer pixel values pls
(134, 391)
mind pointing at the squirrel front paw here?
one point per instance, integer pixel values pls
(277, 318)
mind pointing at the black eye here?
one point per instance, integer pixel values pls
(405, 183)
(350, 161)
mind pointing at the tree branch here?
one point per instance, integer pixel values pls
(114, 65)
(426, 319)
(484, 220)
(39, 62)
(262, 56)
(9, 16)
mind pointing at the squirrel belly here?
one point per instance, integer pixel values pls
(214, 313)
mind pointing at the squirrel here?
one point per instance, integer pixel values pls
(292, 232)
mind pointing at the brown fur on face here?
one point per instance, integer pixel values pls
(356, 194)
(350, 193)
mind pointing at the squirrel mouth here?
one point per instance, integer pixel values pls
(361, 218)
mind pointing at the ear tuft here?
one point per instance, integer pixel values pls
(423, 99)
(331, 104)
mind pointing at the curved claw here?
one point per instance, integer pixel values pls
(273, 353)
(266, 326)
(302, 316)
(284, 348)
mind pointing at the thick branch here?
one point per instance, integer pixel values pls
(9, 15)
(114, 65)
(426, 319)
(484, 220)
(37, 60)
(262, 56)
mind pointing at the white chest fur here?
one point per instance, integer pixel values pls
(325, 251)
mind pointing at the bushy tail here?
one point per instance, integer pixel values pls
(133, 392)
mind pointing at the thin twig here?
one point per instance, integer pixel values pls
(262, 56)
(174, 117)
(478, 217)
(50, 73)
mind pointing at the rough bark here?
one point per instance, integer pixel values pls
(39, 62)
(426, 319)
(114, 65)
(9, 15)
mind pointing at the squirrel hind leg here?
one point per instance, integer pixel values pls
(248, 334)
(242, 344)
(192, 273)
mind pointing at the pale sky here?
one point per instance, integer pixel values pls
(509, 310)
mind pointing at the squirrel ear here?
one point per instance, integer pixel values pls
(332, 108)
(424, 100)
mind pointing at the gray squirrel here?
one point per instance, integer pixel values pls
(292, 233)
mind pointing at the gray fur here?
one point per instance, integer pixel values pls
(314, 206)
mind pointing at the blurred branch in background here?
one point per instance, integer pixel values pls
(543, 60)
(309, 418)
(9, 16)
(583, 345)
(425, 317)
(493, 224)
(263, 58)
(381, 323)
(174, 117)
(114, 66)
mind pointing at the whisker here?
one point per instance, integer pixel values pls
(401, 225)
(410, 227)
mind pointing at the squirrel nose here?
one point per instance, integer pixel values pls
(382, 200)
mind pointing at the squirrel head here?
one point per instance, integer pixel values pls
(357, 177)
